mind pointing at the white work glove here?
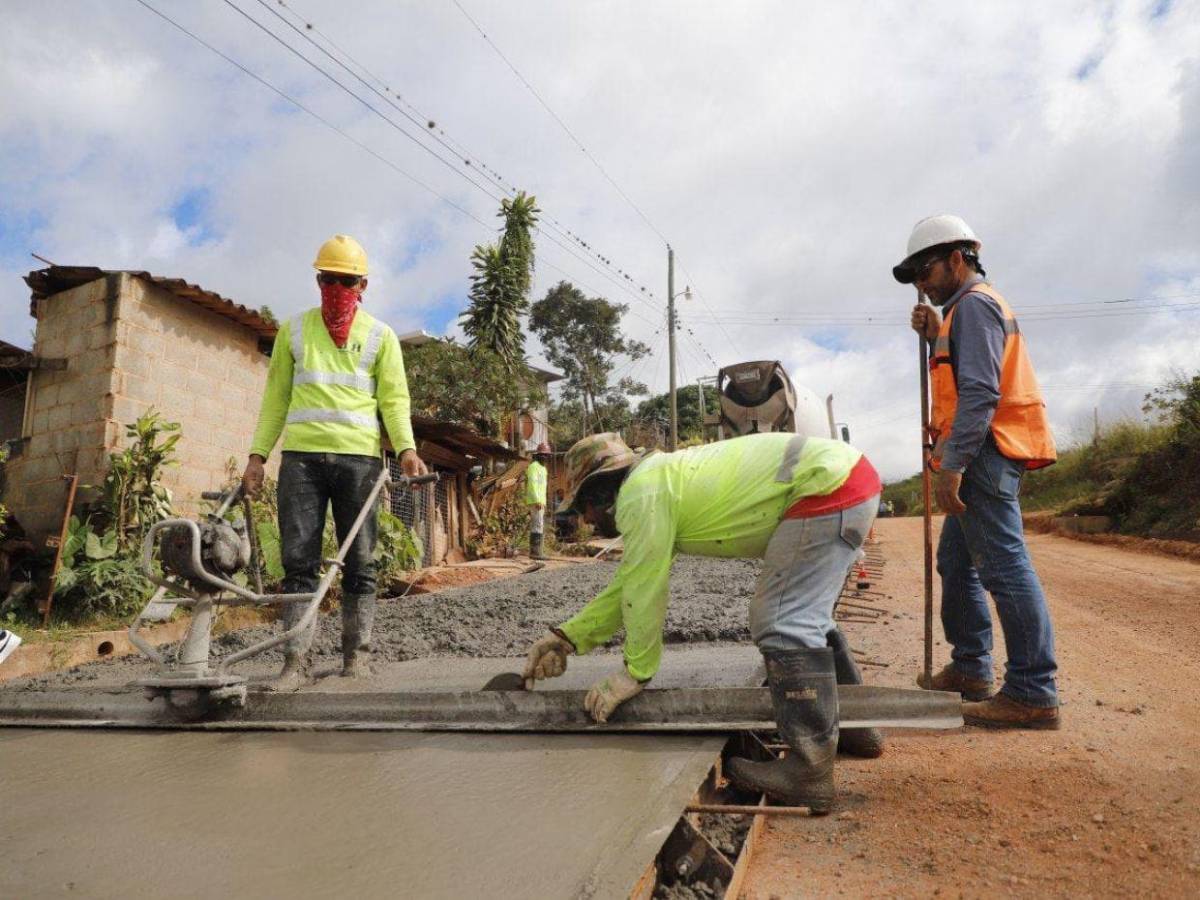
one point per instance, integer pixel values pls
(547, 658)
(609, 693)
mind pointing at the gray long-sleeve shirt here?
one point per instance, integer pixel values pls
(976, 350)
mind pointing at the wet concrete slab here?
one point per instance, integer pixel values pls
(139, 814)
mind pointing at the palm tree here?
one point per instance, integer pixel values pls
(516, 243)
(501, 283)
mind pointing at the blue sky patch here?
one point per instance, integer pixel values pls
(18, 231)
(1161, 8)
(1089, 65)
(190, 214)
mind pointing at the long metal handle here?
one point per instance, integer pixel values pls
(314, 604)
(926, 496)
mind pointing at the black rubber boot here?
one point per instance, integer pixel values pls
(358, 622)
(864, 742)
(535, 547)
(293, 676)
(804, 694)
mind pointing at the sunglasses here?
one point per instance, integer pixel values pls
(920, 271)
(334, 278)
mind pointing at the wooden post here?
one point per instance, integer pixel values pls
(72, 483)
(926, 495)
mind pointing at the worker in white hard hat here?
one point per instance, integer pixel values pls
(987, 428)
(335, 372)
(535, 499)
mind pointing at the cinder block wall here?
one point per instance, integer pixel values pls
(68, 422)
(196, 368)
(129, 346)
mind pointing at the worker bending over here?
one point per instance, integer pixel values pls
(988, 427)
(535, 499)
(335, 371)
(804, 505)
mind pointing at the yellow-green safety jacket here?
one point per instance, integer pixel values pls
(720, 499)
(331, 399)
(535, 484)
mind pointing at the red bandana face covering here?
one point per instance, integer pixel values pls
(338, 306)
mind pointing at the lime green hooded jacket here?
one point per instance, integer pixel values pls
(720, 499)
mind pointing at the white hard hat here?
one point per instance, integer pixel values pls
(933, 232)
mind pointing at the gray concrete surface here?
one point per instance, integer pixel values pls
(107, 814)
(709, 603)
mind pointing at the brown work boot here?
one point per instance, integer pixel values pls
(1002, 711)
(950, 679)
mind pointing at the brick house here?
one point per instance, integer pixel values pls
(108, 346)
(111, 344)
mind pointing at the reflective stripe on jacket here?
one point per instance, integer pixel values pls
(331, 399)
(720, 499)
(1019, 425)
(535, 484)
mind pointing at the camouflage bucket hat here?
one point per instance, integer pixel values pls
(590, 456)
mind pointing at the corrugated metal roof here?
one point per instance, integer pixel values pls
(461, 439)
(55, 279)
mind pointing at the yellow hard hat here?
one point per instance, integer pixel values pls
(342, 253)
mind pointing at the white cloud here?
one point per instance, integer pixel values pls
(784, 148)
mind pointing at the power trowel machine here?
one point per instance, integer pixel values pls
(200, 561)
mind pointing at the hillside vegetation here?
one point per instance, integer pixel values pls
(1145, 475)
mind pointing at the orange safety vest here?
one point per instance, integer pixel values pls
(1019, 426)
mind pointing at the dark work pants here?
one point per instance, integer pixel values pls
(308, 484)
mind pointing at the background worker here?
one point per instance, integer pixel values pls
(804, 505)
(535, 499)
(335, 371)
(989, 427)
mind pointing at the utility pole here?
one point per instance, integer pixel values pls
(674, 442)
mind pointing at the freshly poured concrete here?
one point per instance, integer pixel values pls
(345, 815)
(108, 814)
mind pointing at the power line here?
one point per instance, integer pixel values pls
(292, 100)
(467, 158)
(692, 283)
(360, 144)
(557, 118)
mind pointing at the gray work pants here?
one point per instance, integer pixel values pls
(804, 569)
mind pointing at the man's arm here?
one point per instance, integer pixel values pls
(391, 393)
(277, 395)
(637, 597)
(977, 334)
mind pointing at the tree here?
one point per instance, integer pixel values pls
(687, 401)
(520, 216)
(582, 338)
(501, 282)
(474, 388)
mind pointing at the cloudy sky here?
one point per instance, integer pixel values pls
(784, 149)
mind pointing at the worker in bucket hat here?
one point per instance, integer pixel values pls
(803, 504)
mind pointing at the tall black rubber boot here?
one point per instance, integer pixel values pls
(864, 742)
(358, 621)
(535, 546)
(804, 693)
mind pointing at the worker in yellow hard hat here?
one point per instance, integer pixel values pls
(335, 372)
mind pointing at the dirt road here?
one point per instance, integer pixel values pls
(1108, 806)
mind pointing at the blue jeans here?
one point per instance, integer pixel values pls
(804, 569)
(984, 549)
